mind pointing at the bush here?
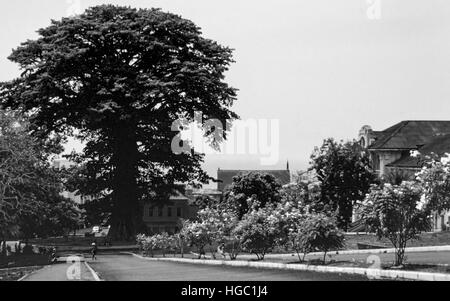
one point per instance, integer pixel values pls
(214, 226)
(320, 233)
(198, 235)
(159, 242)
(398, 213)
(147, 244)
(258, 232)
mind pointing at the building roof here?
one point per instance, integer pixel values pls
(178, 196)
(225, 177)
(439, 146)
(410, 134)
(206, 191)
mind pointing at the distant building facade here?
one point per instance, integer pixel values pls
(167, 218)
(391, 150)
(183, 203)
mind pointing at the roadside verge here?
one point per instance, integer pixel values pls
(370, 273)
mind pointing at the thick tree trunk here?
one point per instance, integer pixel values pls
(126, 217)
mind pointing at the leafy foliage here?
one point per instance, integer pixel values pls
(117, 78)
(258, 231)
(398, 213)
(199, 235)
(319, 232)
(30, 200)
(250, 189)
(97, 212)
(345, 176)
(435, 180)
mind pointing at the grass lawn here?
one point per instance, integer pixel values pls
(436, 262)
(23, 261)
(13, 267)
(15, 274)
(361, 262)
(426, 239)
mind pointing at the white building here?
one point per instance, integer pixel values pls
(390, 149)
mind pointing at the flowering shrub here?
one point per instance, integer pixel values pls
(319, 232)
(147, 244)
(435, 181)
(161, 242)
(179, 243)
(226, 223)
(398, 213)
(214, 225)
(258, 231)
(199, 235)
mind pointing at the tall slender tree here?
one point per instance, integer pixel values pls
(345, 175)
(120, 76)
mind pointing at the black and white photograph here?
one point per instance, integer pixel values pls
(220, 147)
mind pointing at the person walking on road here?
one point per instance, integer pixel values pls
(94, 251)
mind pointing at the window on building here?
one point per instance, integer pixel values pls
(150, 211)
(179, 212)
(160, 212)
(169, 212)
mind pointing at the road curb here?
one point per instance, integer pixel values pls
(93, 272)
(370, 273)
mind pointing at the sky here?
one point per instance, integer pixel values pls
(321, 68)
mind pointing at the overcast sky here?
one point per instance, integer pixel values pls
(324, 68)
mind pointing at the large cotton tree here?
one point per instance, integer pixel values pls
(118, 77)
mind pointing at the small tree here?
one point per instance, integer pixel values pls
(398, 213)
(181, 238)
(163, 242)
(140, 241)
(198, 234)
(435, 180)
(320, 233)
(297, 239)
(258, 187)
(149, 245)
(258, 231)
(345, 176)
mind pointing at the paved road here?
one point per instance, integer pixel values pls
(58, 272)
(129, 268)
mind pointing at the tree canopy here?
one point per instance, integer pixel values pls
(398, 213)
(252, 190)
(30, 189)
(117, 78)
(345, 176)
